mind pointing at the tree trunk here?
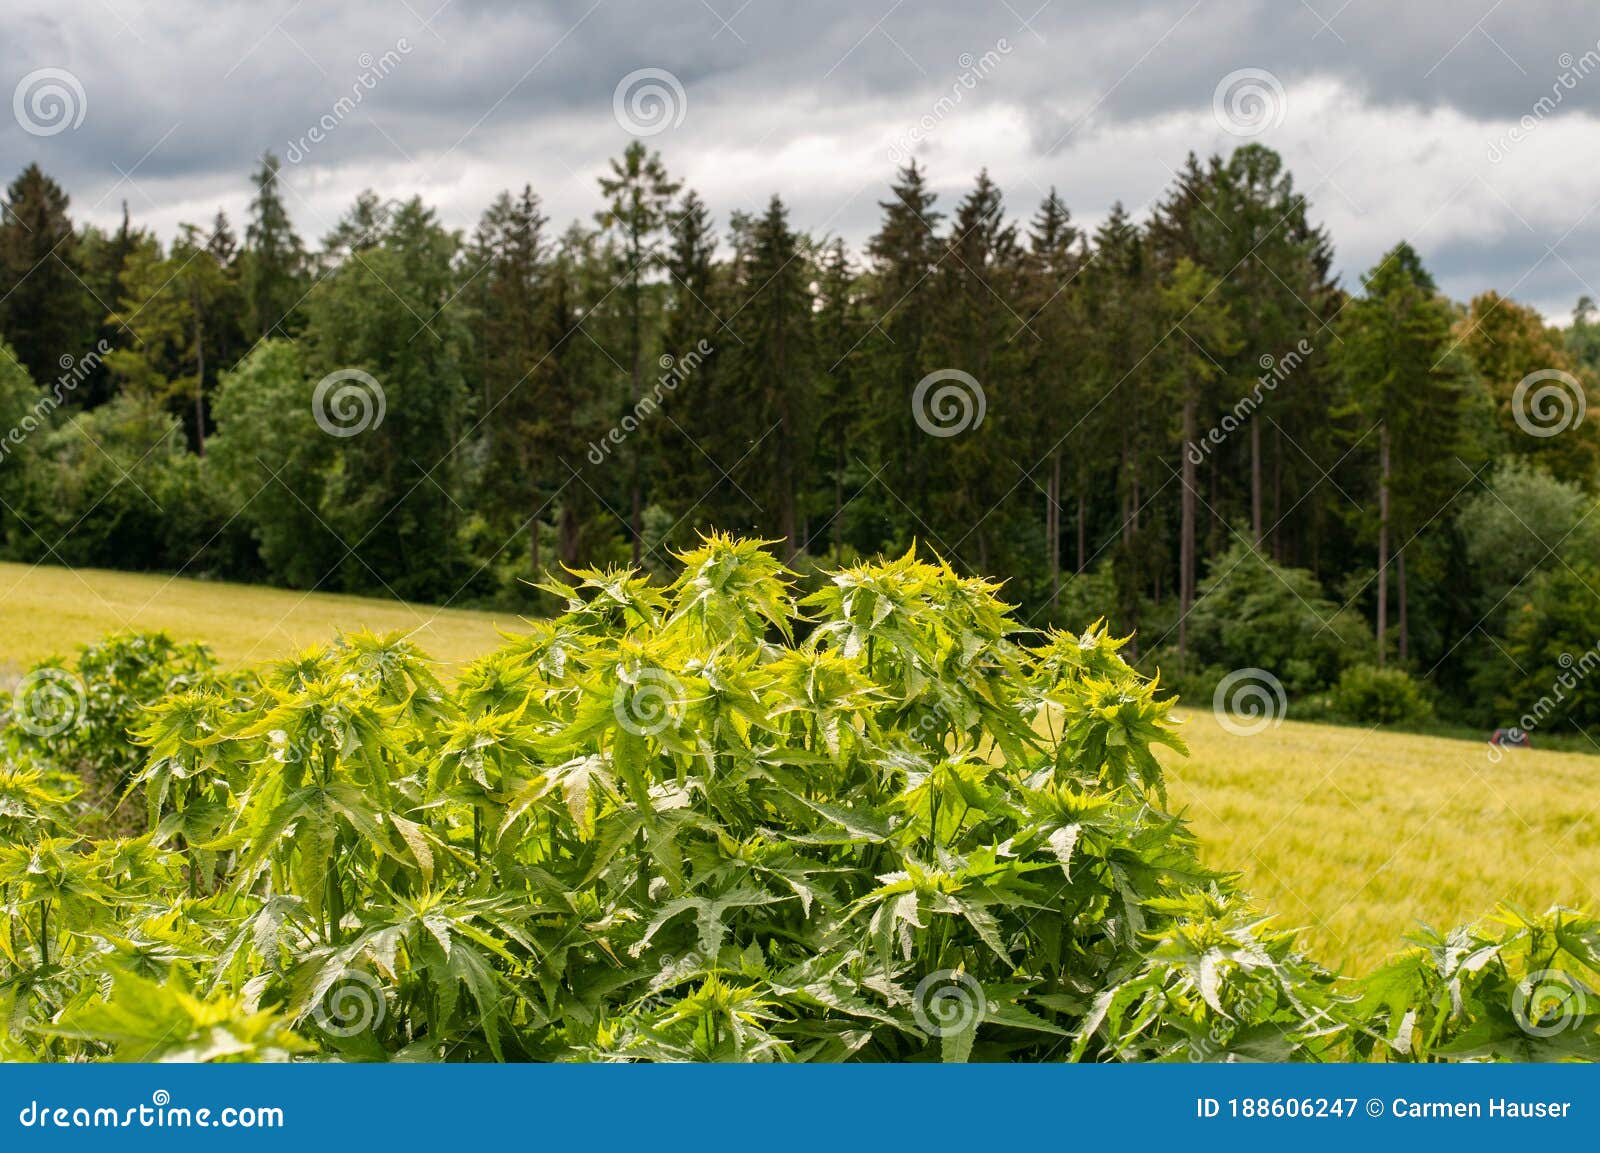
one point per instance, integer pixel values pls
(199, 374)
(1255, 480)
(1383, 539)
(838, 493)
(567, 536)
(1053, 530)
(1083, 525)
(1400, 589)
(637, 391)
(1186, 534)
(1277, 494)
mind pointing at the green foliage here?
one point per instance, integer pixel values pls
(1553, 652)
(1522, 521)
(270, 462)
(1514, 988)
(710, 822)
(1252, 613)
(117, 482)
(1387, 696)
(1150, 394)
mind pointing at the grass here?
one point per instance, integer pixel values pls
(47, 611)
(1358, 835)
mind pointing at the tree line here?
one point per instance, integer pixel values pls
(1181, 421)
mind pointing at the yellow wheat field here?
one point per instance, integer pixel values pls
(48, 611)
(1359, 834)
(1356, 835)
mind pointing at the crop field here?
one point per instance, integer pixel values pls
(46, 610)
(901, 837)
(1358, 834)
(1355, 835)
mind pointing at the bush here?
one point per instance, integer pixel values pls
(661, 827)
(82, 718)
(1372, 695)
(1252, 613)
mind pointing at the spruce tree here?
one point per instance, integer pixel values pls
(46, 312)
(639, 196)
(276, 258)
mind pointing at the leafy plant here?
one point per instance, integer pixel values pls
(1381, 696)
(710, 822)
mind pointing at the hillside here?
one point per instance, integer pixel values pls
(47, 610)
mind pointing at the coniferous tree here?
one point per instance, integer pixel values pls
(1408, 380)
(513, 340)
(903, 255)
(1054, 372)
(774, 378)
(275, 257)
(841, 396)
(977, 282)
(46, 312)
(639, 196)
(684, 436)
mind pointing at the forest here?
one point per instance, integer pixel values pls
(1180, 420)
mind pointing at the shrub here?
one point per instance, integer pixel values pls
(1386, 696)
(83, 719)
(705, 822)
(1252, 613)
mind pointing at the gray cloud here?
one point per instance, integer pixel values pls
(1102, 99)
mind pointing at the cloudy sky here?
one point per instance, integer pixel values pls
(1468, 127)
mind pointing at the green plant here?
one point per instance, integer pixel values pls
(1252, 613)
(1381, 696)
(703, 822)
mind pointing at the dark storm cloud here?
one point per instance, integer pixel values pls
(186, 95)
(237, 77)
